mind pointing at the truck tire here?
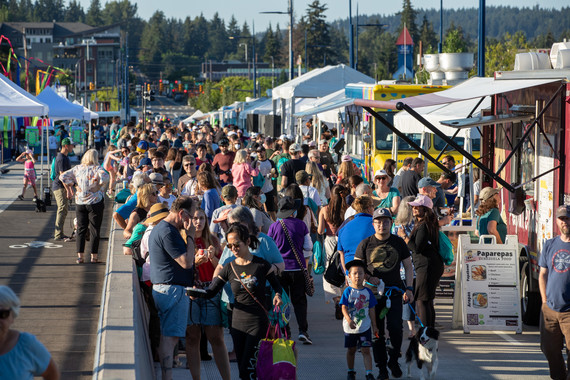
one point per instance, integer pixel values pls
(530, 300)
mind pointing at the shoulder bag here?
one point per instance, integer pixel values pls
(309, 284)
(247, 290)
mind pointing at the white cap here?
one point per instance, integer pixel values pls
(283, 137)
(254, 134)
(380, 173)
(231, 133)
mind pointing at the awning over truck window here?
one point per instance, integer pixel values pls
(470, 89)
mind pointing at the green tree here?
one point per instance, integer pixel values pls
(94, 16)
(125, 12)
(271, 46)
(408, 16)
(48, 10)
(196, 36)
(454, 40)
(234, 31)
(543, 41)
(218, 38)
(428, 36)
(318, 35)
(152, 42)
(74, 12)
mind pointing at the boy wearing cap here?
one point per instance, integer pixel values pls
(229, 196)
(382, 253)
(359, 323)
(62, 164)
(223, 162)
(554, 285)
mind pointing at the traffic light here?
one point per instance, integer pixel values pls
(91, 86)
(148, 87)
(160, 86)
(200, 89)
(180, 86)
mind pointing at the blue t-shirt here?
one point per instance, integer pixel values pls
(210, 202)
(125, 210)
(491, 215)
(388, 201)
(353, 233)
(27, 359)
(165, 244)
(358, 302)
(555, 257)
(267, 250)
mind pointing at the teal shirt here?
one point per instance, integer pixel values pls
(488, 217)
(387, 202)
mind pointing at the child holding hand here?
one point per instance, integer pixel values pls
(359, 321)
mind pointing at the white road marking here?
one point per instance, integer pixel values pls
(509, 339)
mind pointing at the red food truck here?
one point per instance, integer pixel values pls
(525, 137)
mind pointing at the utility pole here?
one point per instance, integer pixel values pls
(26, 58)
(351, 36)
(254, 58)
(291, 63)
(126, 93)
(481, 44)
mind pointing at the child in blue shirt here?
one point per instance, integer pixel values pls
(359, 319)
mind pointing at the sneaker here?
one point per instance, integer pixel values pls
(338, 312)
(383, 375)
(64, 237)
(395, 369)
(304, 337)
(20, 197)
(369, 376)
(389, 344)
(351, 375)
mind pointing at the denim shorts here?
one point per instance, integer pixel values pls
(172, 304)
(205, 312)
(363, 339)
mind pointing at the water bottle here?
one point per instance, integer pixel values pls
(381, 286)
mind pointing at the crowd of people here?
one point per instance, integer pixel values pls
(236, 216)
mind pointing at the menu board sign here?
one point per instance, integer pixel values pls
(490, 286)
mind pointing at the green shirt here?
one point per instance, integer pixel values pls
(388, 201)
(488, 217)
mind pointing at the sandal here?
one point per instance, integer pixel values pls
(79, 260)
(94, 259)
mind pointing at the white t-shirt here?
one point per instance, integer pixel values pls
(168, 200)
(265, 170)
(349, 212)
(53, 143)
(190, 187)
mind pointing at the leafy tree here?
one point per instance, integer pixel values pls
(500, 56)
(543, 41)
(454, 40)
(94, 16)
(75, 12)
(428, 36)
(177, 65)
(408, 16)
(48, 10)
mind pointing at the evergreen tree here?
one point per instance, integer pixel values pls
(428, 36)
(318, 35)
(48, 10)
(271, 46)
(75, 12)
(218, 38)
(152, 42)
(94, 15)
(196, 37)
(234, 31)
(408, 17)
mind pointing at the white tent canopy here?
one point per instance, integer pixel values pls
(406, 123)
(15, 101)
(328, 115)
(198, 115)
(60, 108)
(320, 82)
(87, 113)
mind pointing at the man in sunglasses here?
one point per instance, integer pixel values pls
(171, 270)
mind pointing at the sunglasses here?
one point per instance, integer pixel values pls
(155, 193)
(232, 246)
(382, 178)
(189, 164)
(5, 313)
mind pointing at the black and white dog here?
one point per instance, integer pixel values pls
(423, 348)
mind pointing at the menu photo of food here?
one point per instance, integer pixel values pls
(479, 272)
(480, 300)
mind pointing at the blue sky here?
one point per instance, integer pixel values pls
(248, 10)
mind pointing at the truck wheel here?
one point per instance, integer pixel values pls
(530, 300)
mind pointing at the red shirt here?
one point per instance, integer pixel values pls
(206, 270)
(224, 162)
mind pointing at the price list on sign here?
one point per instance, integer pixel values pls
(490, 286)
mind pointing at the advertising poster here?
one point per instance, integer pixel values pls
(490, 286)
(545, 210)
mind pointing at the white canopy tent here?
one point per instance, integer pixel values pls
(314, 84)
(15, 101)
(198, 115)
(87, 113)
(60, 108)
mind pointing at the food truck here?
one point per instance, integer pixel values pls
(525, 137)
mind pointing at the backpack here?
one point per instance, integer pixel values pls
(53, 174)
(259, 180)
(319, 254)
(445, 248)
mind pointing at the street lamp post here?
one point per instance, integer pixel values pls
(253, 59)
(272, 72)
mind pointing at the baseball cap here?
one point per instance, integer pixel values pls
(487, 193)
(422, 200)
(301, 176)
(346, 158)
(287, 206)
(283, 137)
(142, 146)
(223, 142)
(312, 144)
(295, 148)
(323, 141)
(269, 139)
(355, 263)
(290, 138)
(563, 211)
(380, 173)
(145, 162)
(229, 191)
(156, 178)
(382, 213)
(231, 133)
(254, 135)
(67, 141)
(427, 181)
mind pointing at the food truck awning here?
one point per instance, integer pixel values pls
(470, 89)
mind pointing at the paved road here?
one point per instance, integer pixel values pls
(60, 299)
